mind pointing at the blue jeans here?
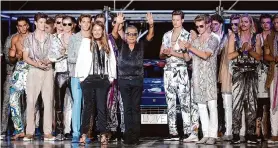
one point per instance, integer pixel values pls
(76, 109)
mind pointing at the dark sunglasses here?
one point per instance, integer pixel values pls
(58, 22)
(234, 24)
(201, 26)
(69, 24)
(131, 34)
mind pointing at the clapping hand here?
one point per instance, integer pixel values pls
(41, 65)
(181, 44)
(193, 35)
(166, 51)
(247, 47)
(187, 45)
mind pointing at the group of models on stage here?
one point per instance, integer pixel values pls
(84, 77)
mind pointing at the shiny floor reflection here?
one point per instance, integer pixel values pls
(144, 142)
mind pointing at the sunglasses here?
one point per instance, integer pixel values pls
(234, 24)
(201, 26)
(58, 22)
(131, 34)
(69, 24)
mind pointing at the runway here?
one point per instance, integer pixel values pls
(144, 143)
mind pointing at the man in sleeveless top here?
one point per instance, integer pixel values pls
(271, 55)
(263, 92)
(245, 52)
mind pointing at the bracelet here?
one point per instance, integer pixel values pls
(184, 50)
(245, 52)
(151, 26)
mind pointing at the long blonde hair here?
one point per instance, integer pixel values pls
(103, 39)
(252, 28)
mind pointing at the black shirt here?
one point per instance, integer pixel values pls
(130, 62)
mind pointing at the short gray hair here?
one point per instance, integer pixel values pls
(131, 27)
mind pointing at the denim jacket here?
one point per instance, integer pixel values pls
(73, 49)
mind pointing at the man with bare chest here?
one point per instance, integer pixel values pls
(18, 80)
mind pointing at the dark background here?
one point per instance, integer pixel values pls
(160, 28)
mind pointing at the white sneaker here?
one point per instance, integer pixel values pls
(49, 137)
(191, 138)
(211, 141)
(203, 140)
(2, 137)
(28, 137)
(270, 141)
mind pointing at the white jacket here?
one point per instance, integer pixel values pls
(84, 62)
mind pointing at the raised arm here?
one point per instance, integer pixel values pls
(151, 26)
(119, 20)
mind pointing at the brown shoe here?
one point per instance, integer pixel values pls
(273, 140)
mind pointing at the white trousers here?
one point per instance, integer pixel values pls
(209, 120)
(228, 107)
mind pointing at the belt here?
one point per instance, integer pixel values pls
(176, 65)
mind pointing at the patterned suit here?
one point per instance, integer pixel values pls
(177, 84)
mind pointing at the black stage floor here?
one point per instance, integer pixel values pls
(144, 143)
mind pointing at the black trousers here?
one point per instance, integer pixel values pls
(61, 83)
(95, 89)
(131, 92)
(263, 103)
